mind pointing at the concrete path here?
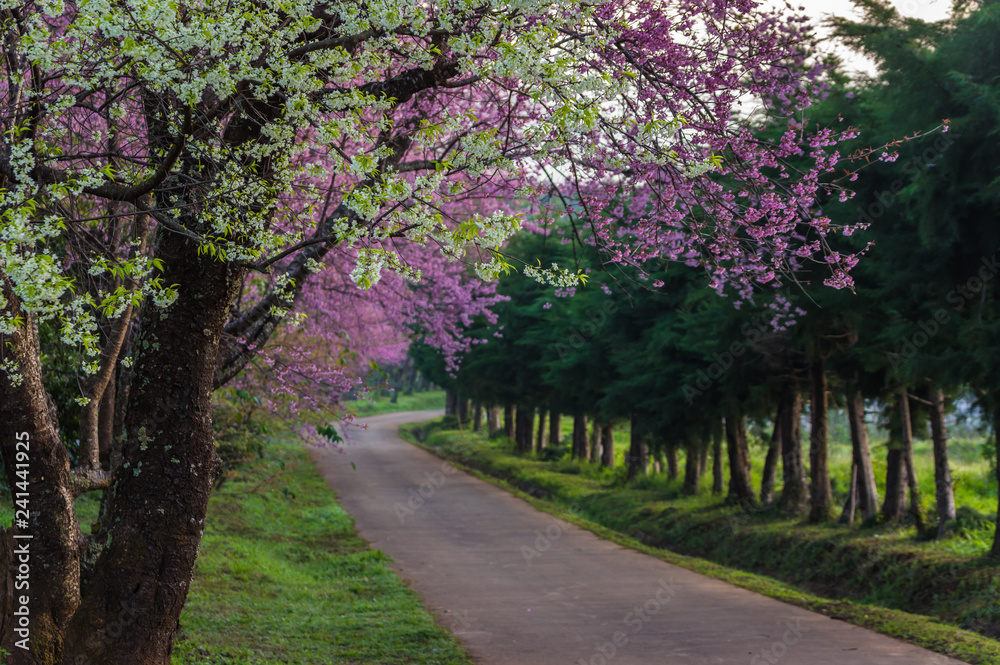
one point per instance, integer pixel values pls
(519, 587)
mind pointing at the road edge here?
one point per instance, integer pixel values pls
(945, 639)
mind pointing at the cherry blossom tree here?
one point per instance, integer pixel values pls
(195, 164)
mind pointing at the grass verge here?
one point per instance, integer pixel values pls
(379, 403)
(618, 514)
(282, 577)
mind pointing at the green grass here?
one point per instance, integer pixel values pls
(379, 403)
(881, 576)
(282, 577)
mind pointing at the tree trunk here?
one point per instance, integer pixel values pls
(740, 488)
(944, 490)
(894, 506)
(540, 437)
(464, 410)
(519, 426)
(411, 378)
(916, 511)
(770, 472)
(638, 453)
(673, 463)
(795, 492)
(821, 496)
(580, 448)
(867, 498)
(657, 455)
(851, 504)
(718, 480)
(995, 550)
(608, 445)
(450, 403)
(595, 441)
(477, 417)
(93, 390)
(508, 421)
(493, 420)
(7, 572)
(691, 466)
(106, 423)
(524, 427)
(168, 467)
(555, 428)
(703, 455)
(30, 435)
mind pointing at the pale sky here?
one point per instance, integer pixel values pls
(928, 10)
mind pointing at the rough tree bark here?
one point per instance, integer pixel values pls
(894, 506)
(7, 573)
(718, 480)
(867, 490)
(638, 453)
(168, 466)
(595, 441)
(106, 422)
(608, 445)
(795, 491)
(740, 488)
(820, 494)
(55, 541)
(944, 490)
(673, 461)
(555, 428)
(770, 472)
(691, 465)
(703, 454)
(477, 417)
(540, 436)
(580, 448)
(524, 428)
(916, 511)
(493, 420)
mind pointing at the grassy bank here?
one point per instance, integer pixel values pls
(880, 577)
(282, 577)
(379, 403)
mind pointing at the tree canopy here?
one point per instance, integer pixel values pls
(176, 178)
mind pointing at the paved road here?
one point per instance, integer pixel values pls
(519, 587)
